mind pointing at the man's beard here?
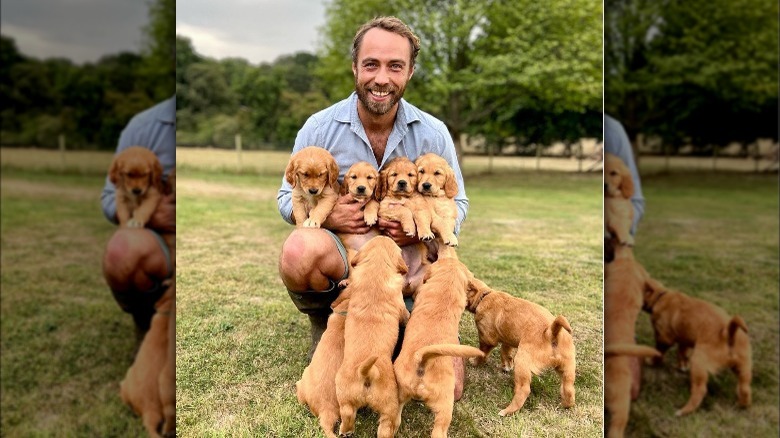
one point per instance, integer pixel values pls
(378, 108)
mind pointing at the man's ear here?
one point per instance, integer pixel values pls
(411, 72)
(354, 70)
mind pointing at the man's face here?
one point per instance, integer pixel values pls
(383, 68)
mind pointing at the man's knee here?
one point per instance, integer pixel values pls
(309, 256)
(132, 256)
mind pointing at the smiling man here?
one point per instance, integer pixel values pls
(374, 124)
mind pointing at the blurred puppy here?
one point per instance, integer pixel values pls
(618, 190)
(716, 340)
(422, 369)
(317, 387)
(137, 175)
(397, 199)
(167, 380)
(313, 174)
(376, 308)
(532, 340)
(436, 182)
(624, 286)
(140, 388)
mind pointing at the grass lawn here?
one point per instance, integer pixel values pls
(715, 237)
(66, 345)
(241, 344)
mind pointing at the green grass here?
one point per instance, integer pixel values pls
(66, 345)
(713, 236)
(241, 344)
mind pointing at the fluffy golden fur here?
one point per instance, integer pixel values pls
(313, 174)
(141, 388)
(376, 309)
(424, 369)
(618, 190)
(708, 340)
(396, 199)
(317, 387)
(136, 173)
(437, 183)
(167, 379)
(531, 339)
(624, 286)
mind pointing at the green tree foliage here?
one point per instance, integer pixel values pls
(487, 65)
(89, 103)
(698, 71)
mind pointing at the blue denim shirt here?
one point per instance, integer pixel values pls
(339, 130)
(154, 128)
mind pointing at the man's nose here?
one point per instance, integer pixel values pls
(382, 77)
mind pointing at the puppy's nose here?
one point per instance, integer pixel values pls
(426, 186)
(361, 189)
(137, 191)
(401, 184)
(313, 190)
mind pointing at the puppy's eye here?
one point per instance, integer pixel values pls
(613, 173)
(394, 174)
(422, 171)
(353, 176)
(437, 173)
(370, 177)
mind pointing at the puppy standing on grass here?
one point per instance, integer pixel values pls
(436, 182)
(424, 369)
(717, 340)
(532, 340)
(140, 388)
(137, 174)
(624, 286)
(313, 174)
(317, 387)
(376, 308)
(618, 190)
(396, 199)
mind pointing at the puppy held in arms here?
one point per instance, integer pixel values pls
(437, 183)
(313, 174)
(618, 190)
(137, 175)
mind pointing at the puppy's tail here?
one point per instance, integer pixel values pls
(735, 324)
(424, 354)
(559, 323)
(631, 350)
(367, 370)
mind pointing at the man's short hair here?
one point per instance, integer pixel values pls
(390, 24)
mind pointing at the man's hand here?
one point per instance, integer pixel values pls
(393, 230)
(164, 218)
(347, 216)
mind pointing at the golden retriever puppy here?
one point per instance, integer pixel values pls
(360, 181)
(140, 388)
(624, 286)
(396, 199)
(437, 183)
(424, 369)
(137, 175)
(317, 387)
(618, 190)
(532, 340)
(167, 380)
(708, 341)
(313, 174)
(376, 308)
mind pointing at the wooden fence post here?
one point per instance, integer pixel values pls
(238, 151)
(61, 142)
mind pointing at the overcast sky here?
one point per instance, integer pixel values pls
(82, 30)
(85, 30)
(256, 30)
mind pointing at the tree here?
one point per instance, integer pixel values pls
(482, 60)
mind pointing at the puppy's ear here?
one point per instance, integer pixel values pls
(653, 288)
(400, 265)
(450, 184)
(157, 174)
(476, 285)
(289, 173)
(358, 258)
(627, 185)
(114, 172)
(333, 174)
(344, 186)
(381, 186)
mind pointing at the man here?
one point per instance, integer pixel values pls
(374, 124)
(616, 142)
(138, 260)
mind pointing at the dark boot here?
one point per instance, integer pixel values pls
(316, 305)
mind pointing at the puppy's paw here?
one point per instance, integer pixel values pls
(506, 368)
(134, 223)
(503, 413)
(344, 283)
(451, 241)
(410, 233)
(475, 361)
(309, 223)
(370, 219)
(427, 237)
